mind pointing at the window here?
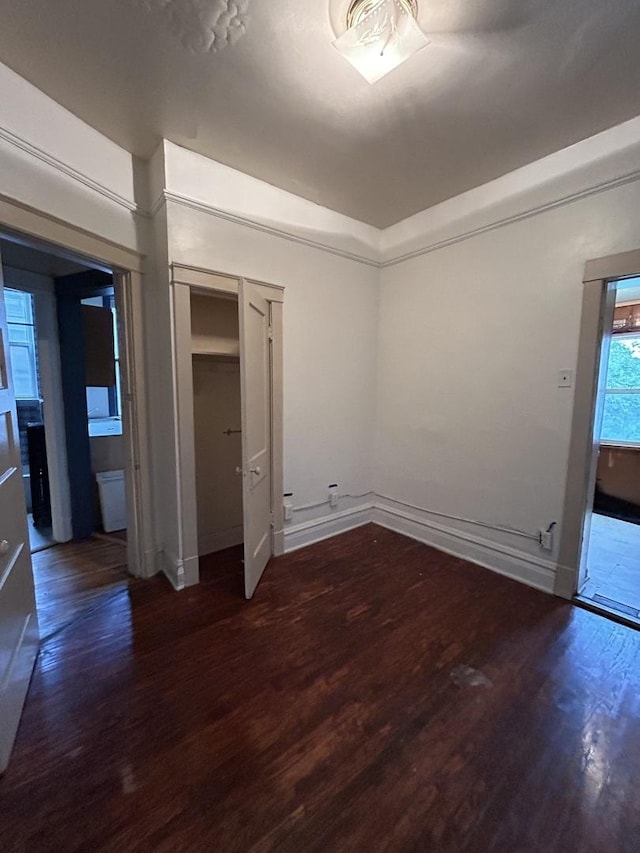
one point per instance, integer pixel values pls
(22, 344)
(621, 422)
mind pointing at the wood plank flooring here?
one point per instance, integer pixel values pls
(76, 576)
(323, 715)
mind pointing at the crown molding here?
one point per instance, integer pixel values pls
(256, 225)
(527, 213)
(70, 172)
(427, 248)
(375, 260)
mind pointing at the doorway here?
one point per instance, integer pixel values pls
(611, 550)
(228, 355)
(217, 415)
(19, 634)
(64, 361)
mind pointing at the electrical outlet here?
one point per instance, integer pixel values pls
(333, 494)
(287, 505)
(546, 539)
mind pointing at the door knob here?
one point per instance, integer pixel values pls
(255, 470)
(238, 469)
(4, 546)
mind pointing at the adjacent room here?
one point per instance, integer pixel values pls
(613, 544)
(65, 372)
(318, 426)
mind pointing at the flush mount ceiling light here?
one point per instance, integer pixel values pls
(380, 35)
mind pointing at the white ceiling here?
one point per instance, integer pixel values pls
(503, 83)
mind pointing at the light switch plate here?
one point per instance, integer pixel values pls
(565, 378)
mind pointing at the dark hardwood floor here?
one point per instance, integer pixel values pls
(75, 577)
(323, 715)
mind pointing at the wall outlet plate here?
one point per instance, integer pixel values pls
(565, 378)
(546, 540)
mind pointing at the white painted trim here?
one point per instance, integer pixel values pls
(202, 207)
(212, 542)
(47, 232)
(173, 569)
(278, 543)
(459, 237)
(530, 570)
(60, 166)
(301, 535)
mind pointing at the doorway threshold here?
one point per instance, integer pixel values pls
(609, 608)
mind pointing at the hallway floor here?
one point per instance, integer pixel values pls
(74, 577)
(614, 565)
(39, 538)
(375, 695)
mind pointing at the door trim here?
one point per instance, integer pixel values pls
(183, 280)
(581, 463)
(47, 233)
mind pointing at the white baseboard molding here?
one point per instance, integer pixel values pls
(173, 569)
(149, 565)
(566, 582)
(278, 543)
(301, 535)
(526, 568)
(212, 542)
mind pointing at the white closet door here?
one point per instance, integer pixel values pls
(256, 432)
(18, 621)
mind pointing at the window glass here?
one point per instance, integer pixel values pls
(621, 421)
(22, 344)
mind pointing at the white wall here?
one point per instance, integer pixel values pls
(330, 326)
(470, 421)
(53, 162)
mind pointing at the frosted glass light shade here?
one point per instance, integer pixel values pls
(382, 40)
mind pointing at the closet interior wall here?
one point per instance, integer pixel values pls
(217, 418)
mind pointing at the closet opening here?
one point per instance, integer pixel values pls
(217, 419)
(227, 348)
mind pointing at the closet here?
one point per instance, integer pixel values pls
(217, 416)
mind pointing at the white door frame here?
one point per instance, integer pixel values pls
(50, 234)
(184, 280)
(582, 462)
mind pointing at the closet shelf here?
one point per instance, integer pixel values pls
(230, 352)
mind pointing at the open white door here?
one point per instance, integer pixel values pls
(606, 321)
(18, 621)
(255, 384)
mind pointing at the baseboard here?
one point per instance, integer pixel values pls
(526, 568)
(212, 542)
(565, 583)
(173, 570)
(149, 565)
(301, 535)
(278, 543)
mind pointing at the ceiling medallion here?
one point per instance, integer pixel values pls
(203, 26)
(380, 35)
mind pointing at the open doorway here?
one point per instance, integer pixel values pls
(611, 547)
(65, 365)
